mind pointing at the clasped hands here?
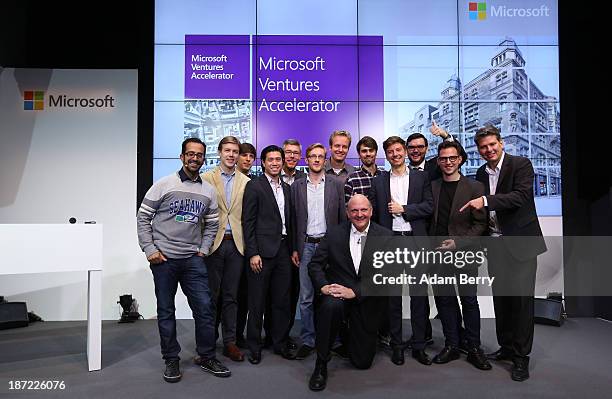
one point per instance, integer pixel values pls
(338, 291)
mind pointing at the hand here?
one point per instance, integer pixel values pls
(340, 291)
(325, 290)
(395, 208)
(295, 258)
(201, 254)
(437, 130)
(157, 258)
(256, 264)
(477, 203)
(447, 245)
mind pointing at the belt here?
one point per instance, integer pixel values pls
(228, 237)
(402, 233)
(313, 240)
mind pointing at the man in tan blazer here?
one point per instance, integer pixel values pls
(226, 262)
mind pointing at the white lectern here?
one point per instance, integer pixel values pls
(61, 248)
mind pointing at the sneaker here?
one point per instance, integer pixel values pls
(215, 367)
(173, 371)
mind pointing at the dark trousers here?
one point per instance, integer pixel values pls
(513, 290)
(224, 271)
(192, 274)
(419, 317)
(360, 330)
(274, 280)
(243, 301)
(450, 313)
(294, 295)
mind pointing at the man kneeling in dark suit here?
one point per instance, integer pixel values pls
(335, 271)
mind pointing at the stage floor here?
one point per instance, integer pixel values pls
(572, 361)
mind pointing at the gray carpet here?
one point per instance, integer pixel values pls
(568, 362)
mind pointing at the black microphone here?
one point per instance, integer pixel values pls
(72, 220)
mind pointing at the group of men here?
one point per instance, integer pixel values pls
(266, 245)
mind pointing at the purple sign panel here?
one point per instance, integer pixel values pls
(217, 67)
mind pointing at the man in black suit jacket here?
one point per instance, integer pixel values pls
(266, 223)
(452, 230)
(318, 204)
(508, 198)
(336, 270)
(402, 202)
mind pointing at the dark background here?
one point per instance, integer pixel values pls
(120, 34)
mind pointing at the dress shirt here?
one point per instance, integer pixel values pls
(277, 189)
(315, 198)
(399, 193)
(494, 228)
(357, 243)
(228, 185)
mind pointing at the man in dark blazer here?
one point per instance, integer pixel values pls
(336, 270)
(266, 223)
(318, 203)
(402, 202)
(510, 204)
(453, 230)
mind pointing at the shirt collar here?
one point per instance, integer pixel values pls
(271, 181)
(227, 174)
(420, 166)
(183, 176)
(310, 181)
(498, 166)
(363, 233)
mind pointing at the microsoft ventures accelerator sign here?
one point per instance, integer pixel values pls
(302, 87)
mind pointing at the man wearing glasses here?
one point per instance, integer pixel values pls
(177, 224)
(293, 154)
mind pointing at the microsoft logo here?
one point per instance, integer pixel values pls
(477, 11)
(33, 100)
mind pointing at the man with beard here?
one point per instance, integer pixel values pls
(177, 223)
(360, 181)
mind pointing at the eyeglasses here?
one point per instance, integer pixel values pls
(296, 153)
(316, 157)
(451, 159)
(192, 154)
(416, 147)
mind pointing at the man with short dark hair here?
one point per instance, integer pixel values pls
(402, 202)
(360, 181)
(177, 223)
(246, 158)
(266, 223)
(417, 146)
(226, 261)
(509, 201)
(453, 230)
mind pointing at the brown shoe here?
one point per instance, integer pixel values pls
(233, 352)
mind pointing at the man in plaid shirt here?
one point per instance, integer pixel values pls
(359, 181)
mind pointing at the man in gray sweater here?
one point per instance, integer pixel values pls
(177, 223)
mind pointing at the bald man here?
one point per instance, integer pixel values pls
(335, 271)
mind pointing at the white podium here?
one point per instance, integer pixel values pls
(60, 248)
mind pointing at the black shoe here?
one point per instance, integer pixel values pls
(520, 369)
(318, 379)
(478, 359)
(447, 354)
(384, 341)
(291, 344)
(215, 367)
(254, 357)
(286, 353)
(421, 357)
(173, 371)
(341, 351)
(304, 352)
(398, 355)
(464, 346)
(500, 354)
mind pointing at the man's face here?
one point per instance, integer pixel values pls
(316, 159)
(359, 212)
(293, 153)
(416, 151)
(273, 163)
(396, 154)
(193, 157)
(229, 155)
(490, 149)
(339, 148)
(367, 155)
(245, 161)
(449, 160)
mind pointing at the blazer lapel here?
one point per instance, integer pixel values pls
(236, 187)
(411, 185)
(387, 186)
(459, 199)
(267, 188)
(220, 188)
(346, 248)
(327, 199)
(506, 169)
(435, 189)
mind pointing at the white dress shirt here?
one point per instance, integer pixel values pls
(399, 193)
(494, 228)
(356, 242)
(277, 189)
(315, 198)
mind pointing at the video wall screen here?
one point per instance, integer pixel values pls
(268, 70)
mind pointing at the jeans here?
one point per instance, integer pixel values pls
(307, 296)
(192, 274)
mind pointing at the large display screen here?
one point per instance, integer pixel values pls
(268, 70)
